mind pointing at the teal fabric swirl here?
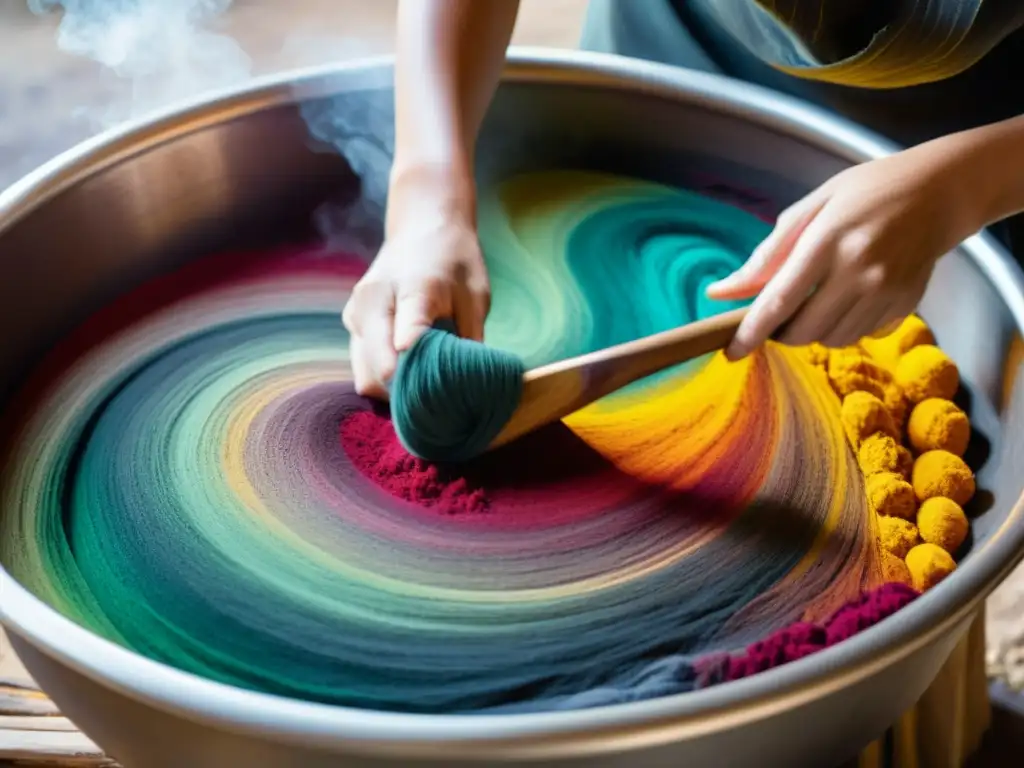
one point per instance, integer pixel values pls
(451, 396)
(643, 262)
(191, 475)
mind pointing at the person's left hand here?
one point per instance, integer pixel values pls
(854, 256)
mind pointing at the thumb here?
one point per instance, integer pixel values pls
(769, 256)
(415, 313)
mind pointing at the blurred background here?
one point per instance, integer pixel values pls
(69, 69)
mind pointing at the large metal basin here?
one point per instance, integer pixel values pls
(102, 217)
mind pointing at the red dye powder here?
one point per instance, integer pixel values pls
(370, 441)
(870, 609)
(802, 639)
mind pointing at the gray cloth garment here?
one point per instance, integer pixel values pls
(681, 33)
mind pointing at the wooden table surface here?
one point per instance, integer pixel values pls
(32, 731)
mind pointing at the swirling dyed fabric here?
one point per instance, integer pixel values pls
(181, 478)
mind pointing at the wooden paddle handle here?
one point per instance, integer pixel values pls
(612, 368)
(553, 391)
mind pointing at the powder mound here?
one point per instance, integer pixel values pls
(370, 442)
(925, 371)
(803, 639)
(870, 609)
(937, 424)
(897, 536)
(450, 397)
(879, 453)
(941, 473)
(942, 522)
(929, 564)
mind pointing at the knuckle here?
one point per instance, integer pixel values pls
(361, 289)
(351, 316)
(854, 246)
(480, 291)
(368, 297)
(367, 291)
(874, 277)
(775, 307)
(426, 293)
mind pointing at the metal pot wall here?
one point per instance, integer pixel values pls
(134, 202)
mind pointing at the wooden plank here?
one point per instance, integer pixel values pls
(32, 732)
(55, 748)
(22, 701)
(52, 723)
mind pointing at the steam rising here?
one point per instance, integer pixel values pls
(360, 126)
(165, 50)
(170, 50)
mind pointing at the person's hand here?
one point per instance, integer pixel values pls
(429, 268)
(854, 256)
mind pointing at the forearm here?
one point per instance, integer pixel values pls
(1000, 168)
(990, 169)
(450, 57)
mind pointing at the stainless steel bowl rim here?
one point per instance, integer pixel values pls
(720, 707)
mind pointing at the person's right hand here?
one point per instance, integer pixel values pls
(429, 268)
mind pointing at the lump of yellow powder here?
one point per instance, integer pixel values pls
(906, 461)
(851, 370)
(863, 415)
(912, 332)
(896, 402)
(926, 371)
(881, 453)
(896, 535)
(894, 569)
(941, 473)
(942, 522)
(891, 495)
(816, 354)
(937, 424)
(928, 565)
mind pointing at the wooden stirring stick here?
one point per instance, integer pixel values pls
(553, 391)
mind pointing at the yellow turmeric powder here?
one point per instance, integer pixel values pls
(880, 453)
(850, 370)
(896, 535)
(906, 461)
(895, 570)
(863, 415)
(896, 403)
(886, 384)
(889, 494)
(928, 565)
(941, 473)
(926, 371)
(937, 424)
(912, 332)
(942, 522)
(816, 354)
